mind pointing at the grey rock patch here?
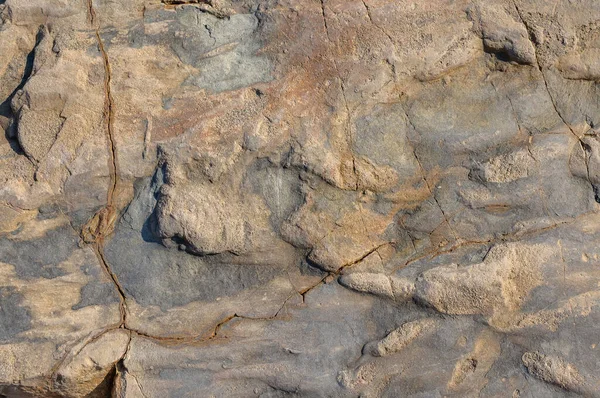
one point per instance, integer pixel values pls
(504, 33)
(39, 258)
(96, 293)
(555, 370)
(15, 318)
(166, 277)
(222, 49)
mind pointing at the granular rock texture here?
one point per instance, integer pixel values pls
(285, 198)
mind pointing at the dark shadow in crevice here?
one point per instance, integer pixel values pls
(596, 189)
(502, 56)
(150, 226)
(5, 108)
(105, 388)
(149, 229)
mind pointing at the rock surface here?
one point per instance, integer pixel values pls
(323, 198)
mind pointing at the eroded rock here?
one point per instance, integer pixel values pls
(554, 370)
(91, 369)
(184, 183)
(399, 338)
(503, 32)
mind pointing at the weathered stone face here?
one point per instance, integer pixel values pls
(327, 198)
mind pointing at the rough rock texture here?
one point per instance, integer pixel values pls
(320, 198)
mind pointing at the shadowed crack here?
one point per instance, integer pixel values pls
(509, 237)
(108, 111)
(207, 6)
(304, 292)
(102, 223)
(376, 25)
(120, 369)
(112, 375)
(187, 340)
(5, 106)
(361, 258)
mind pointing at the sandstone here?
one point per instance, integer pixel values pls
(399, 338)
(332, 198)
(85, 373)
(502, 31)
(554, 370)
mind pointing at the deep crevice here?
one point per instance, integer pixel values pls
(206, 6)
(5, 106)
(104, 388)
(102, 223)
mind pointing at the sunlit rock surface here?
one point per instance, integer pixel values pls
(320, 198)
